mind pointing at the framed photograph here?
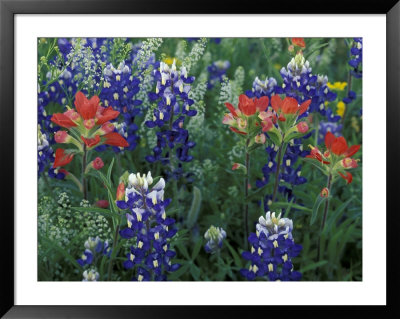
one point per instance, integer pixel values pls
(163, 156)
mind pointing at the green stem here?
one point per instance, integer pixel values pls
(246, 194)
(326, 208)
(84, 185)
(279, 156)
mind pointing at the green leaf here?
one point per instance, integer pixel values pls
(295, 206)
(337, 214)
(315, 163)
(275, 137)
(195, 272)
(61, 250)
(109, 171)
(195, 207)
(183, 250)
(315, 49)
(197, 248)
(315, 210)
(313, 266)
(236, 258)
(176, 274)
(293, 135)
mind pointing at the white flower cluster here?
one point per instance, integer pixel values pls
(297, 66)
(140, 185)
(148, 47)
(42, 140)
(91, 275)
(273, 226)
(195, 54)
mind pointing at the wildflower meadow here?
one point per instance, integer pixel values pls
(199, 159)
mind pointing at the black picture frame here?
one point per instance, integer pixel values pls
(9, 8)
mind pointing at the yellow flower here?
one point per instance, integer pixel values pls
(339, 86)
(169, 60)
(341, 107)
(277, 66)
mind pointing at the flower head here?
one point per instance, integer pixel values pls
(299, 42)
(148, 224)
(214, 236)
(272, 247)
(337, 157)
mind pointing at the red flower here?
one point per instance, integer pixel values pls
(235, 166)
(106, 115)
(302, 127)
(261, 103)
(115, 139)
(316, 154)
(62, 158)
(102, 203)
(98, 163)
(91, 141)
(246, 105)
(62, 120)
(299, 42)
(338, 145)
(349, 162)
(86, 108)
(348, 177)
(61, 137)
(288, 106)
(231, 109)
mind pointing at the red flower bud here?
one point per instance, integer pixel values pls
(121, 191)
(324, 192)
(97, 163)
(102, 203)
(61, 137)
(302, 127)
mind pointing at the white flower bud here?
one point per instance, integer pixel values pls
(149, 178)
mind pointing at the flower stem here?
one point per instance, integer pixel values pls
(84, 158)
(326, 203)
(278, 166)
(112, 253)
(328, 186)
(246, 194)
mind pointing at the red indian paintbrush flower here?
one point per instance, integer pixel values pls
(62, 158)
(288, 105)
(299, 42)
(237, 118)
(338, 145)
(115, 139)
(62, 120)
(86, 108)
(340, 153)
(91, 141)
(89, 114)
